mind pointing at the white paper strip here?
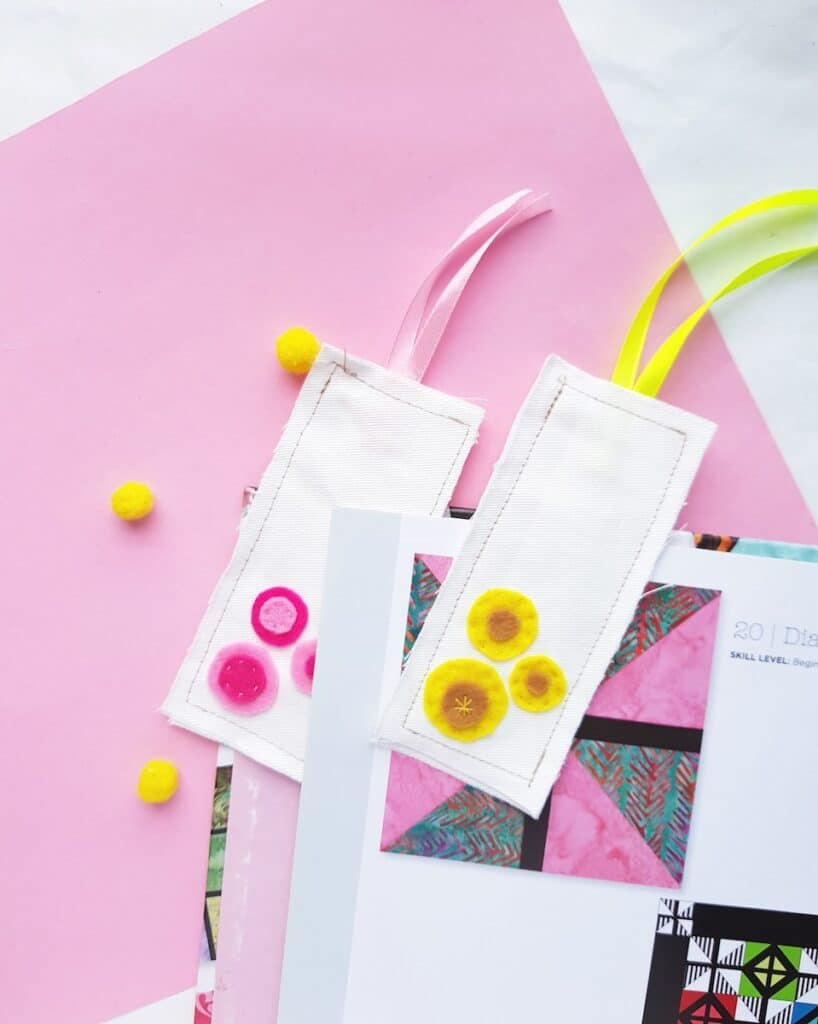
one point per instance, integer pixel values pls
(576, 513)
(358, 435)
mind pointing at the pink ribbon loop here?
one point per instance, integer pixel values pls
(431, 308)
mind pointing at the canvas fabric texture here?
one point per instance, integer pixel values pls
(360, 436)
(575, 515)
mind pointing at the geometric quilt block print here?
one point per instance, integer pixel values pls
(701, 973)
(675, 917)
(640, 774)
(770, 971)
(653, 788)
(706, 1008)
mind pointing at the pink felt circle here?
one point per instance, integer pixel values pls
(302, 667)
(244, 678)
(279, 616)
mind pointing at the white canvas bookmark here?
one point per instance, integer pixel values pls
(359, 435)
(575, 515)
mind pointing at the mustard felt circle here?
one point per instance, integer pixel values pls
(296, 349)
(464, 699)
(502, 624)
(537, 683)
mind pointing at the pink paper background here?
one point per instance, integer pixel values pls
(302, 163)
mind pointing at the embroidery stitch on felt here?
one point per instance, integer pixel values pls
(464, 699)
(333, 366)
(243, 677)
(500, 511)
(529, 779)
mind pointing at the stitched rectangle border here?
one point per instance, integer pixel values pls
(332, 365)
(396, 730)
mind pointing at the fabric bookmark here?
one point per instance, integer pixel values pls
(575, 515)
(577, 511)
(358, 435)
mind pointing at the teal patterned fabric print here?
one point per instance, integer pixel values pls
(652, 787)
(660, 610)
(471, 826)
(425, 586)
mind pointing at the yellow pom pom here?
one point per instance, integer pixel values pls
(132, 500)
(296, 349)
(157, 782)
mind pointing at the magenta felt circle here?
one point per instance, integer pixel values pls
(244, 678)
(302, 666)
(279, 616)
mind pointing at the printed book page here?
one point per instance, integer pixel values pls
(671, 878)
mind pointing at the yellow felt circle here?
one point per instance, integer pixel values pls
(502, 623)
(132, 500)
(296, 349)
(158, 781)
(464, 699)
(537, 683)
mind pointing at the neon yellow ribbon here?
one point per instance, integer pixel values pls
(651, 379)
